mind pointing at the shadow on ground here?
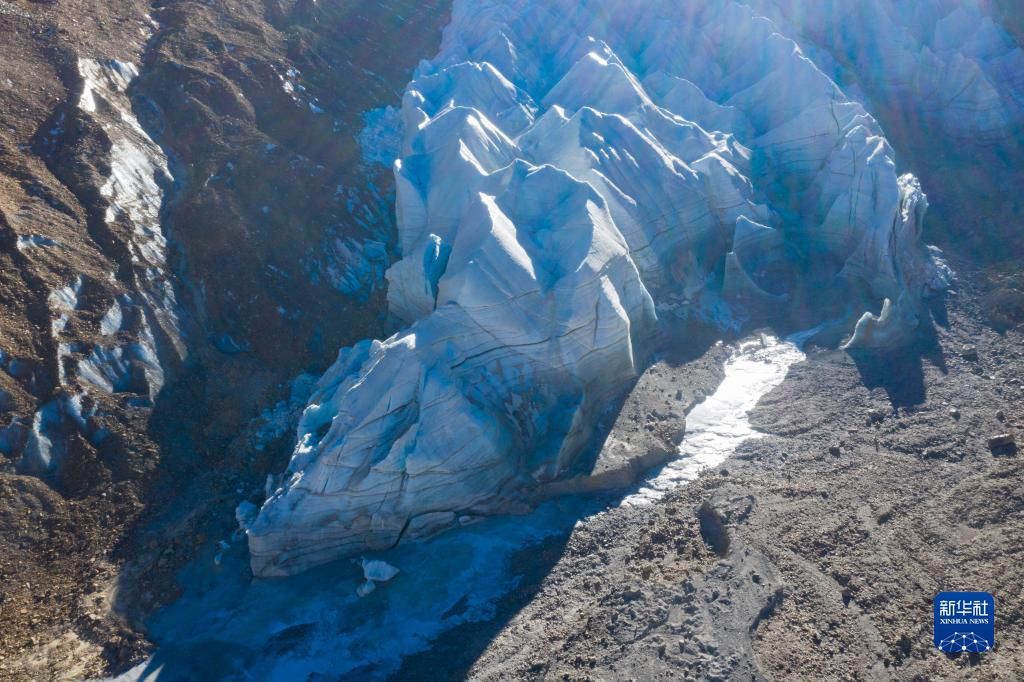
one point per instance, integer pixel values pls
(451, 656)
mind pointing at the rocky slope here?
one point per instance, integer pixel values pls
(76, 319)
(147, 283)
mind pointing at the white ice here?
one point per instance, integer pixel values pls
(948, 62)
(138, 168)
(715, 427)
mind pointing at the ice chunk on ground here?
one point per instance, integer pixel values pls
(375, 571)
(378, 571)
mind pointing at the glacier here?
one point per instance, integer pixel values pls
(945, 62)
(571, 176)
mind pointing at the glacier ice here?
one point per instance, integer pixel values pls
(948, 61)
(569, 173)
(375, 571)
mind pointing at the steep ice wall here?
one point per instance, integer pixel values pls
(570, 172)
(947, 60)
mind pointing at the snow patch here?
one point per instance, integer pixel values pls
(26, 242)
(112, 320)
(63, 302)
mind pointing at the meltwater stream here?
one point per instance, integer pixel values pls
(314, 626)
(715, 427)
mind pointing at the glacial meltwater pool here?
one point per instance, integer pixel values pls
(227, 626)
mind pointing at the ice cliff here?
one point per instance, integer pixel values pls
(571, 173)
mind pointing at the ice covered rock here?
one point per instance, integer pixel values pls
(568, 170)
(134, 190)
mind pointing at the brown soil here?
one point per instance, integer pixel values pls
(791, 562)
